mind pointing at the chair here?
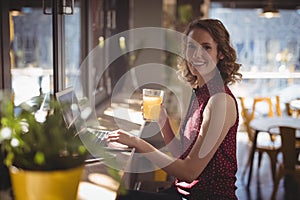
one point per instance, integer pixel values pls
(269, 102)
(290, 164)
(270, 146)
(288, 109)
(294, 107)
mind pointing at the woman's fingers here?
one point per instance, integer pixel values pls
(122, 137)
(116, 136)
(112, 136)
(112, 139)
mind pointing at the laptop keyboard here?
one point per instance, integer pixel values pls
(100, 135)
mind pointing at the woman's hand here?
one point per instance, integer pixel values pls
(122, 137)
(163, 116)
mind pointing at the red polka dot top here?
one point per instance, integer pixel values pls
(217, 180)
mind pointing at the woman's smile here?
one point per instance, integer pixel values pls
(198, 63)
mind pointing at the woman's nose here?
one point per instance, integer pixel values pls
(198, 52)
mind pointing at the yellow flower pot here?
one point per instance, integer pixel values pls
(45, 185)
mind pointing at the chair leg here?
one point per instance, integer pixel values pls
(273, 161)
(276, 183)
(259, 159)
(246, 166)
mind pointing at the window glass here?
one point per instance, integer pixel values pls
(31, 53)
(268, 49)
(72, 45)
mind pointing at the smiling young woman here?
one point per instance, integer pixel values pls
(205, 165)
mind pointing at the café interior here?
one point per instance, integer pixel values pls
(100, 48)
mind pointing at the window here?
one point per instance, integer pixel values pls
(31, 53)
(268, 49)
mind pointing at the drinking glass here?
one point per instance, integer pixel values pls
(152, 99)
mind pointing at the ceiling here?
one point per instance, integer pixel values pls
(279, 4)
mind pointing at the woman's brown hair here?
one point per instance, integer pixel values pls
(227, 66)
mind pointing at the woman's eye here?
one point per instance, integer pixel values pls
(206, 47)
(191, 46)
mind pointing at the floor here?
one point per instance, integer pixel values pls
(261, 186)
(261, 183)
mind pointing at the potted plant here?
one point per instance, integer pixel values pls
(38, 147)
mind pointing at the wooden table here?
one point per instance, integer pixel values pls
(97, 181)
(263, 124)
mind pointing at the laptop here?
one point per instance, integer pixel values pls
(72, 116)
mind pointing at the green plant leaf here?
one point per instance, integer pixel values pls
(47, 145)
(39, 158)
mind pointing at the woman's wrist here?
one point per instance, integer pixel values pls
(136, 142)
(162, 122)
(163, 117)
(140, 145)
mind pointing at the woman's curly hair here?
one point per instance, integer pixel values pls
(227, 66)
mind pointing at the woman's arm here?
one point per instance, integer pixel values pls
(168, 133)
(219, 115)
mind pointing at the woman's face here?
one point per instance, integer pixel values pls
(202, 52)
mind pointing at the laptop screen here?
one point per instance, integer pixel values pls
(70, 108)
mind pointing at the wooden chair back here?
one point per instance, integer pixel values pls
(246, 115)
(288, 147)
(249, 114)
(289, 165)
(269, 102)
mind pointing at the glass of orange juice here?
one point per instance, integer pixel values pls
(152, 99)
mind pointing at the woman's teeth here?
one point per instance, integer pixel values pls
(198, 63)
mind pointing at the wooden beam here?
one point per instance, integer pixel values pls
(5, 77)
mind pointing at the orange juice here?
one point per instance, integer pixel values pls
(151, 104)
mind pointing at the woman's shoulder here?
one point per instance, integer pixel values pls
(222, 97)
(223, 101)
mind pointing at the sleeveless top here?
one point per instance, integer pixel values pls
(217, 180)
